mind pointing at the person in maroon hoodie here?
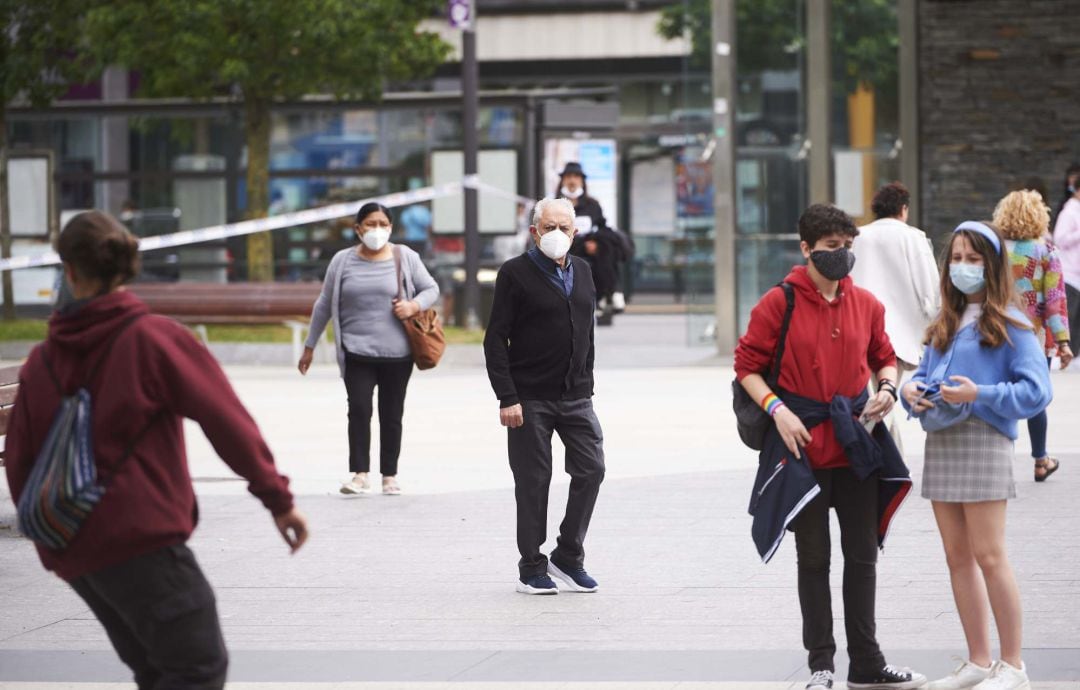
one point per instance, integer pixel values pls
(129, 561)
(835, 342)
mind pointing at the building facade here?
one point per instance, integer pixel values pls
(960, 99)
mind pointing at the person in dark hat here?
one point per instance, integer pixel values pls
(595, 242)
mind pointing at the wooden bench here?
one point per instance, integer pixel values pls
(199, 304)
(9, 386)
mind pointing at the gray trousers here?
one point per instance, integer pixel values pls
(530, 459)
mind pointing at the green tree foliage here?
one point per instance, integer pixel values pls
(265, 51)
(39, 60)
(769, 36)
(767, 32)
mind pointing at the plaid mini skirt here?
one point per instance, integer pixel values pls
(968, 462)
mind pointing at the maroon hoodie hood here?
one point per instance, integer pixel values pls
(85, 325)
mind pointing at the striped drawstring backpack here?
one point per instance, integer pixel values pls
(63, 486)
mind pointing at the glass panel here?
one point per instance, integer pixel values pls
(770, 157)
(323, 140)
(865, 113)
(159, 144)
(76, 143)
(763, 262)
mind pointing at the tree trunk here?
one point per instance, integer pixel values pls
(5, 220)
(257, 134)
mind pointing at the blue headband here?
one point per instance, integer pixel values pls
(982, 229)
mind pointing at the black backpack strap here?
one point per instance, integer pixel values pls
(781, 343)
(52, 373)
(129, 449)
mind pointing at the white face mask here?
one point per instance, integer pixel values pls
(572, 194)
(554, 244)
(376, 238)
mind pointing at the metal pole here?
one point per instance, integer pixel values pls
(819, 87)
(469, 79)
(908, 12)
(723, 169)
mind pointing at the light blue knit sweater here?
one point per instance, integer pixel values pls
(1013, 379)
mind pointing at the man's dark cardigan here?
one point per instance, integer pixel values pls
(539, 343)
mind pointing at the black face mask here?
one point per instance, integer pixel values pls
(834, 264)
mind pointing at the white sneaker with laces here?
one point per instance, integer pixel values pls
(359, 484)
(966, 675)
(820, 680)
(1005, 676)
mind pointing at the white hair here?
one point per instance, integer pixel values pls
(538, 208)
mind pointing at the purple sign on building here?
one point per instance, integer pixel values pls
(460, 13)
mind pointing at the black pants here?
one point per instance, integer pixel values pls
(361, 377)
(530, 460)
(1072, 296)
(856, 510)
(161, 617)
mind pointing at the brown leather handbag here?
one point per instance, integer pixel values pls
(424, 330)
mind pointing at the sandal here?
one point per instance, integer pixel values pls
(1047, 466)
(390, 487)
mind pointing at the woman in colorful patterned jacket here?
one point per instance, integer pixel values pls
(1024, 220)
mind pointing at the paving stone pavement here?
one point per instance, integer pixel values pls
(417, 592)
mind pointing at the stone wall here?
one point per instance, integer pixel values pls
(999, 101)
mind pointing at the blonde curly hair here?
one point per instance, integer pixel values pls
(1022, 215)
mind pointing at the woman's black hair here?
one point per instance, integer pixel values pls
(822, 220)
(890, 200)
(1073, 169)
(372, 207)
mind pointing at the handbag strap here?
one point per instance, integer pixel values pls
(773, 375)
(402, 276)
(397, 267)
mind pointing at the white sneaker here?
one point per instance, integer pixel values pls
(820, 680)
(359, 484)
(1005, 676)
(966, 675)
(390, 487)
(618, 302)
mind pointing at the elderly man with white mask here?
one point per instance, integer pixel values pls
(539, 351)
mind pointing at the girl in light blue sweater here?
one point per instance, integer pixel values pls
(982, 371)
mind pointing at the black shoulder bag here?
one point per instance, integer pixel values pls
(753, 422)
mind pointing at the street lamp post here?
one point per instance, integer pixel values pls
(723, 162)
(463, 15)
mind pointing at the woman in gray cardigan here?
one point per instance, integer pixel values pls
(360, 295)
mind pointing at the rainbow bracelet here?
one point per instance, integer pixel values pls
(771, 403)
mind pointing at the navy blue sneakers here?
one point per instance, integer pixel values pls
(887, 678)
(537, 584)
(575, 579)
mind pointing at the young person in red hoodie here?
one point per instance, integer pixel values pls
(129, 561)
(835, 342)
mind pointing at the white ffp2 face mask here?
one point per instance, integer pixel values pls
(376, 238)
(554, 244)
(572, 194)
